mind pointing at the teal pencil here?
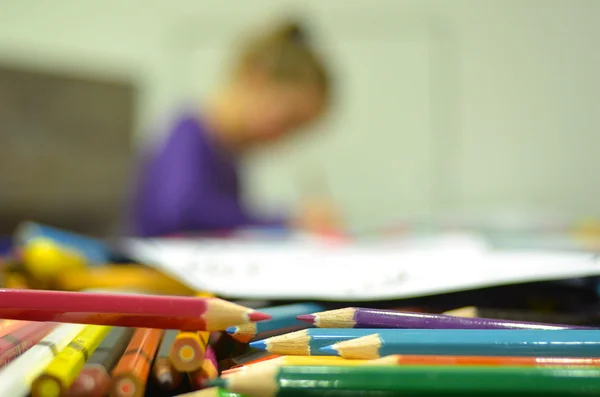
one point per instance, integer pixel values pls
(282, 318)
(538, 343)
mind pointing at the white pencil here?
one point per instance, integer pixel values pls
(17, 376)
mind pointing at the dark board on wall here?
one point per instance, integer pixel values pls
(65, 149)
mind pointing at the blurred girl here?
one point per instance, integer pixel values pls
(191, 183)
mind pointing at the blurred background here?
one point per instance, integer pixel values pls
(462, 107)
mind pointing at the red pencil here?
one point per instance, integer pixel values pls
(18, 342)
(127, 310)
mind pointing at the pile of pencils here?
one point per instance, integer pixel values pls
(148, 344)
(372, 352)
(55, 343)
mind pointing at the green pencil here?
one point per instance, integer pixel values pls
(413, 381)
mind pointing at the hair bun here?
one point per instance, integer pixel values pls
(294, 31)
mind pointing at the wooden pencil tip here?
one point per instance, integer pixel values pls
(307, 318)
(258, 316)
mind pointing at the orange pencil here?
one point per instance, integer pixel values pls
(131, 373)
(400, 359)
(258, 360)
(187, 351)
(208, 370)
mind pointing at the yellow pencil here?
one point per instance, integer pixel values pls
(133, 277)
(58, 376)
(187, 351)
(298, 361)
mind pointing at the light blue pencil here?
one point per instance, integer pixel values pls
(536, 343)
(308, 341)
(282, 318)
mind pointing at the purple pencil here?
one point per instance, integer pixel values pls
(354, 317)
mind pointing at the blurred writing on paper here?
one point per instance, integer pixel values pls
(302, 269)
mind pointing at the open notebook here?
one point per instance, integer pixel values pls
(309, 269)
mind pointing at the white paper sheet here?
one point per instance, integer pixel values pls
(306, 269)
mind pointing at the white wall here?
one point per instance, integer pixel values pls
(505, 109)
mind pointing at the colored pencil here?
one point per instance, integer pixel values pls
(353, 317)
(130, 375)
(246, 358)
(308, 341)
(130, 310)
(301, 361)
(94, 379)
(209, 370)
(187, 351)
(19, 341)
(589, 319)
(163, 371)
(8, 326)
(16, 377)
(133, 277)
(401, 359)
(394, 381)
(283, 319)
(211, 392)
(532, 343)
(92, 250)
(58, 376)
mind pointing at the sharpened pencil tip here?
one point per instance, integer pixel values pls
(231, 330)
(259, 344)
(258, 316)
(307, 318)
(328, 351)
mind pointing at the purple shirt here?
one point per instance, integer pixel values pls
(191, 186)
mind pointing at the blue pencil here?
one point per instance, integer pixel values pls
(308, 341)
(283, 319)
(538, 343)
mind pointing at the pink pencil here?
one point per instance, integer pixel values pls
(126, 310)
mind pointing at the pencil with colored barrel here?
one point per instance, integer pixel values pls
(16, 377)
(94, 379)
(131, 372)
(208, 370)
(394, 381)
(131, 277)
(406, 359)
(8, 326)
(187, 350)
(21, 339)
(301, 361)
(354, 317)
(163, 371)
(48, 251)
(246, 358)
(129, 310)
(58, 376)
(532, 343)
(283, 319)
